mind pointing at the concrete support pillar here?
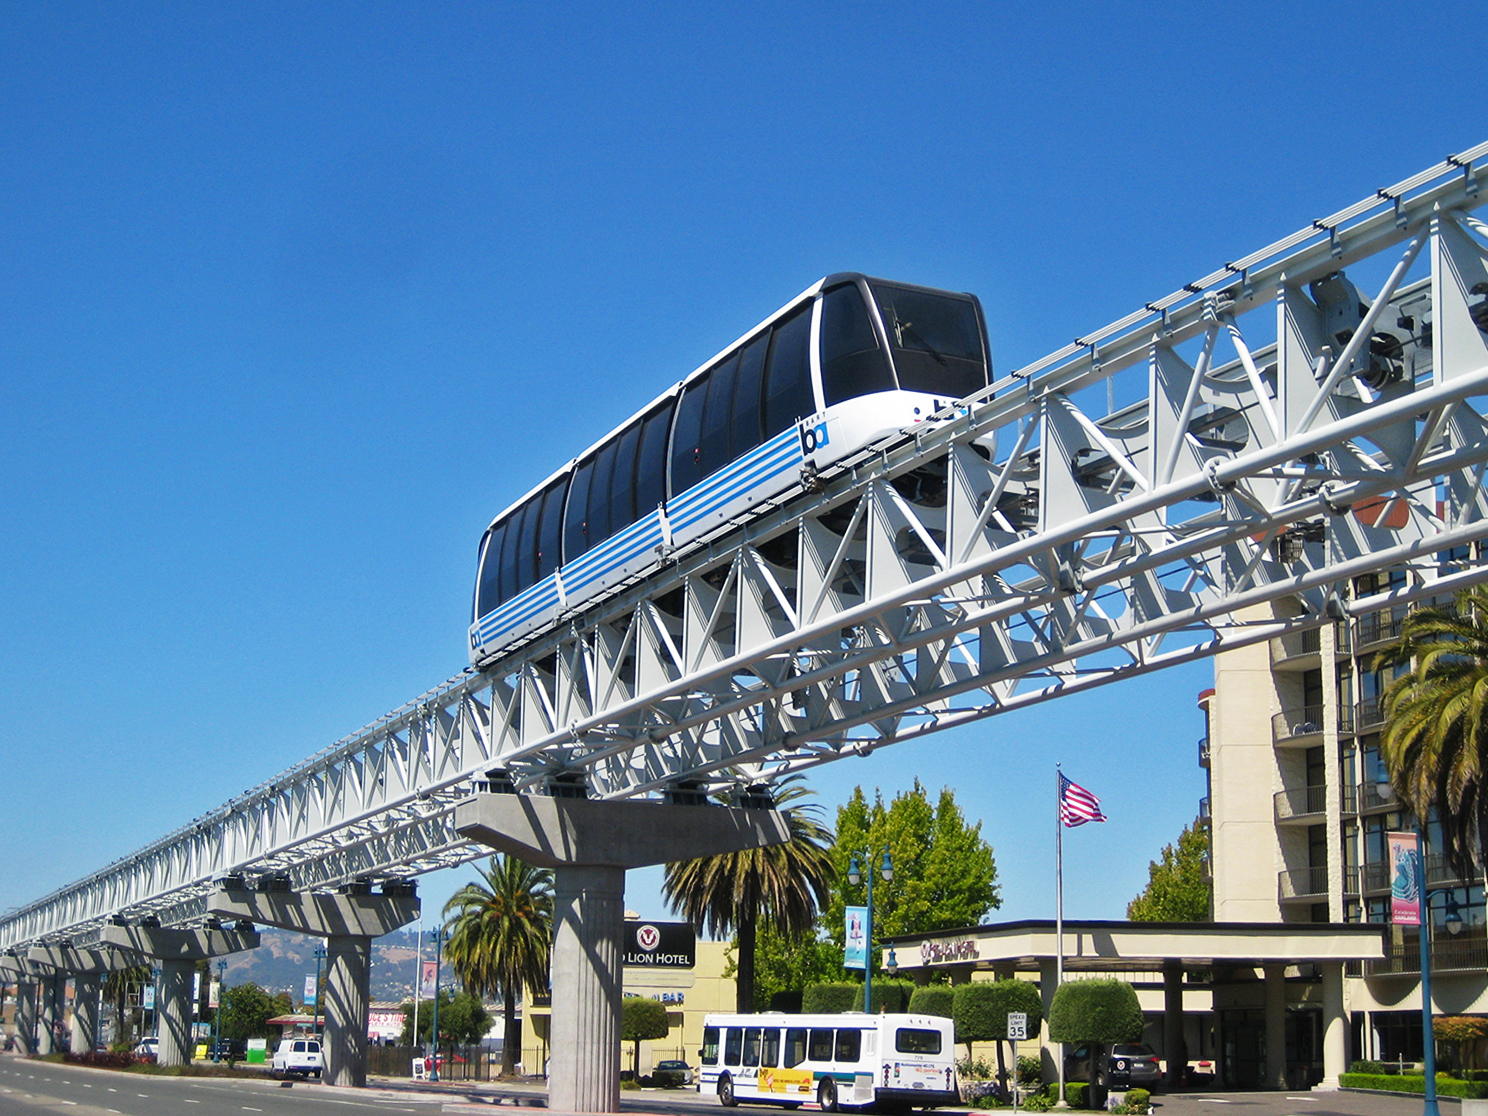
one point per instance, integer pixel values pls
(87, 994)
(25, 1017)
(46, 1014)
(1335, 1025)
(348, 923)
(1275, 1077)
(1174, 1048)
(1049, 1051)
(589, 845)
(177, 951)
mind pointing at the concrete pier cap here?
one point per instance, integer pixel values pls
(348, 921)
(589, 845)
(86, 965)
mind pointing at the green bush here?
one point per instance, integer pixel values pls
(933, 999)
(1137, 1101)
(829, 999)
(1077, 1094)
(1030, 1069)
(1038, 1102)
(888, 995)
(1364, 1065)
(973, 1069)
(980, 1008)
(1414, 1083)
(1102, 1011)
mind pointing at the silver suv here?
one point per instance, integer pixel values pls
(300, 1056)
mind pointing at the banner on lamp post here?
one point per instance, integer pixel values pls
(1405, 879)
(214, 994)
(855, 953)
(310, 990)
(426, 981)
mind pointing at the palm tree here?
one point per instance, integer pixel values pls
(1435, 740)
(501, 938)
(784, 885)
(116, 988)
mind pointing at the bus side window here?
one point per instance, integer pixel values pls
(795, 1046)
(687, 436)
(575, 528)
(490, 575)
(853, 363)
(770, 1048)
(599, 495)
(788, 374)
(622, 481)
(849, 1044)
(651, 463)
(748, 389)
(733, 1045)
(709, 1053)
(718, 417)
(751, 1046)
(821, 1044)
(550, 535)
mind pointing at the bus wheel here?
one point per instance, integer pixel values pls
(726, 1092)
(826, 1096)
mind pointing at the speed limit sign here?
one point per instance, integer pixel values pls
(1017, 1025)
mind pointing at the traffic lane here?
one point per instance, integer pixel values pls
(1293, 1104)
(30, 1087)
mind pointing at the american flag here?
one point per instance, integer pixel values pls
(1076, 804)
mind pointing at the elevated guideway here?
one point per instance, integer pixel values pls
(1304, 415)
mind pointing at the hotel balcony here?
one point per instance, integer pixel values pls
(1369, 716)
(1302, 725)
(1301, 805)
(1303, 883)
(1466, 951)
(1300, 650)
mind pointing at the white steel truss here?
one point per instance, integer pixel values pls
(1285, 434)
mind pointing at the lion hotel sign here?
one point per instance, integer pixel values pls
(660, 945)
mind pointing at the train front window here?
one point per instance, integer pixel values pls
(936, 341)
(852, 361)
(489, 595)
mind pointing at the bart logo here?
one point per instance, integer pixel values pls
(813, 437)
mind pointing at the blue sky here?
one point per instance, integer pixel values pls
(294, 298)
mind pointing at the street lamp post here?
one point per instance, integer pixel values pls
(315, 1009)
(434, 1031)
(217, 1022)
(1428, 1036)
(855, 875)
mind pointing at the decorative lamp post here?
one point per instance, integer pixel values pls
(315, 1009)
(855, 875)
(1428, 1036)
(434, 1027)
(217, 1022)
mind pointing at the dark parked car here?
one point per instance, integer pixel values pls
(1127, 1064)
(677, 1072)
(227, 1050)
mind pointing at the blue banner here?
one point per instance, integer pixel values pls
(855, 954)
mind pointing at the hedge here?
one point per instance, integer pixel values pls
(888, 995)
(829, 999)
(932, 999)
(1413, 1083)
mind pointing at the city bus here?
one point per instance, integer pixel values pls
(851, 1061)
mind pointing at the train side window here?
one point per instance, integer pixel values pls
(788, 374)
(751, 1046)
(527, 544)
(687, 436)
(575, 529)
(770, 1048)
(490, 576)
(623, 481)
(718, 417)
(510, 585)
(748, 390)
(853, 363)
(795, 1046)
(849, 1044)
(550, 535)
(599, 495)
(733, 1045)
(650, 489)
(821, 1044)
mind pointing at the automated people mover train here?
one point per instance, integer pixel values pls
(848, 361)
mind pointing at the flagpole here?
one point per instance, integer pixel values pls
(1058, 917)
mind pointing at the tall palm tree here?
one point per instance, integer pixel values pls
(501, 938)
(1435, 740)
(784, 885)
(116, 988)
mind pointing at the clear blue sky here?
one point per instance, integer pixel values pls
(294, 298)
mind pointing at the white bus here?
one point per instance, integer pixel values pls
(891, 1062)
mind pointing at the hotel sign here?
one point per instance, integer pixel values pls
(662, 945)
(940, 952)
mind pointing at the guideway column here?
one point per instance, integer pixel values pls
(348, 922)
(13, 970)
(87, 967)
(589, 846)
(178, 951)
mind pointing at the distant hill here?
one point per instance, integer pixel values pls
(285, 959)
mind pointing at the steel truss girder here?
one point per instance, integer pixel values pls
(1017, 548)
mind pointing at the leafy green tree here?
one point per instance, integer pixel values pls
(1435, 740)
(1178, 887)
(1099, 1012)
(981, 1009)
(944, 873)
(785, 964)
(782, 886)
(501, 937)
(246, 1010)
(641, 1018)
(463, 1020)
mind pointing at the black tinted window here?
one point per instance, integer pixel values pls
(718, 416)
(622, 481)
(687, 438)
(936, 340)
(748, 390)
(527, 544)
(770, 1048)
(751, 1046)
(510, 546)
(849, 1044)
(853, 362)
(599, 495)
(551, 533)
(489, 595)
(795, 1046)
(651, 463)
(916, 1040)
(733, 1045)
(821, 1044)
(788, 374)
(575, 531)
(710, 1046)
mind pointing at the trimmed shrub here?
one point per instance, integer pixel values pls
(1414, 1083)
(981, 1008)
(1137, 1101)
(788, 1002)
(1037, 1102)
(1103, 1011)
(1364, 1065)
(888, 995)
(1076, 1094)
(933, 999)
(829, 999)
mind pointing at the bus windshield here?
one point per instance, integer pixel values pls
(936, 340)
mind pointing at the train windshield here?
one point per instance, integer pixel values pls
(936, 340)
